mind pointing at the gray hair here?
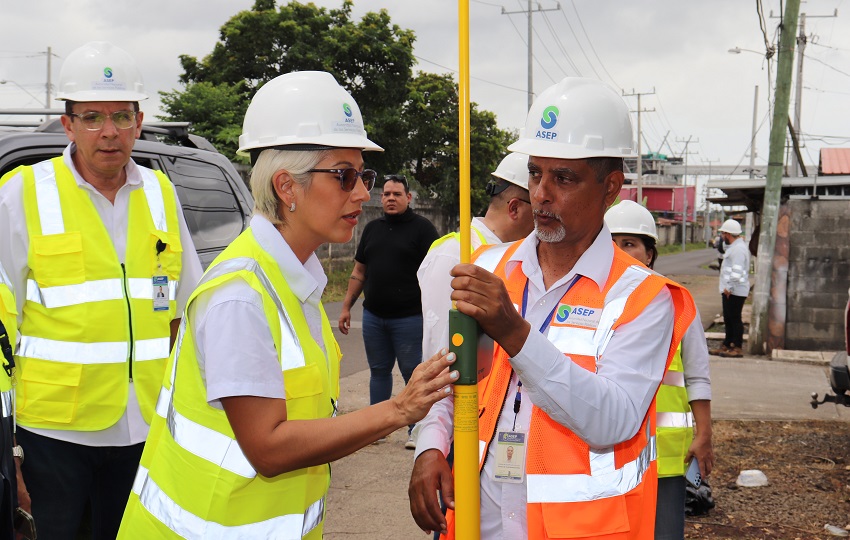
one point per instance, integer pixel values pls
(297, 163)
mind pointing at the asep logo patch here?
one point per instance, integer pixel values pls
(563, 313)
(584, 316)
(550, 117)
(548, 120)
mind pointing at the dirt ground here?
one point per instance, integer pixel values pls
(808, 468)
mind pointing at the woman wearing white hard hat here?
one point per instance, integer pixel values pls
(684, 397)
(247, 420)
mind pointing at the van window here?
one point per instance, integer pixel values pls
(209, 203)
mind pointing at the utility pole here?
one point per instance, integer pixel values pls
(685, 190)
(773, 186)
(705, 228)
(755, 128)
(639, 159)
(802, 39)
(49, 84)
(529, 12)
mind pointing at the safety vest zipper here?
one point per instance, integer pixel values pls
(129, 321)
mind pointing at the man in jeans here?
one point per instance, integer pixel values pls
(389, 254)
(734, 288)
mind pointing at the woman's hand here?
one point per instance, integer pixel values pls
(430, 382)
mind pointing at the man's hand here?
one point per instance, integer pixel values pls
(24, 500)
(431, 474)
(727, 293)
(483, 296)
(702, 450)
(345, 321)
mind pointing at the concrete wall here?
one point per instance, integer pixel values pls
(818, 274)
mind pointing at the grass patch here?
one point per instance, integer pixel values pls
(338, 272)
(677, 248)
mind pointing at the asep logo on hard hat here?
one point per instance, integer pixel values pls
(346, 108)
(107, 72)
(547, 121)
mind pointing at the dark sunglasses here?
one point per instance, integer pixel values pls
(348, 177)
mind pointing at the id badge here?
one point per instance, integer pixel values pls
(510, 457)
(160, 293)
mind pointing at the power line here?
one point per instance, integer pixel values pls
(827, 65)
(575, 36)
(471, 77)
(589, 42)
(560, 46)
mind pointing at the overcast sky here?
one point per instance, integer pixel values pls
(678, 49)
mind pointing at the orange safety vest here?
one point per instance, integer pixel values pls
(575, 491)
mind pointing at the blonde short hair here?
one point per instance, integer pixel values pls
(297, 163)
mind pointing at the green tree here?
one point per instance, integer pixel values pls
(371, 58)
(215, 110)
(430, 115)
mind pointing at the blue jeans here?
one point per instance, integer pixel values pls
(670, 510)
(62, 477)
(387, 340)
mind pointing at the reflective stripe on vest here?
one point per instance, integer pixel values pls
(592, 342)
(7, 402)
(73, 352)
(50, 209)
(47, 198)
(94, 291)
(606, 480)
(208, 444)
(188, 525)
(674, 420)
(674, 378)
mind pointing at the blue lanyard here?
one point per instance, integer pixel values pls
(543, 327)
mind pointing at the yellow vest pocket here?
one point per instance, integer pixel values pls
(57, 259)
(48, 391)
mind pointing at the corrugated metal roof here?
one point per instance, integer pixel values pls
(835, 161)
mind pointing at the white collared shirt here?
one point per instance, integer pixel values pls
(603, 408)
(435, 282)
(14, 246)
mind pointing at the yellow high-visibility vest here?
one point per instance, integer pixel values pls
(89, 325)
(193, 480)
(9, 318)
(674, 421)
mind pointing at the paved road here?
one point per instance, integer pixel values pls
(689, 263)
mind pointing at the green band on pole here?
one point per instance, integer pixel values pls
(463, 341)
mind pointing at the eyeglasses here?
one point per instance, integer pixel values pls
(523, 200)
(93, 121)
(348, 177)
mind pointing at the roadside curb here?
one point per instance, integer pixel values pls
(812, 358)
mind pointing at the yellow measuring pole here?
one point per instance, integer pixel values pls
(464, 330)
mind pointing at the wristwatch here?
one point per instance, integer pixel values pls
(18, 452)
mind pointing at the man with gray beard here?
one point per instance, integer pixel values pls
(584, 335)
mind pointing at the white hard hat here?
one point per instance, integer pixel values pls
(629, 217)
(514, 169)
(577, 118)
(305, 109)
(731, 226)
(100, 71)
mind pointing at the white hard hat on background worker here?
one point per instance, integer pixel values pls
(100, 71)
(732, 227)
(514, 169)
(629, 217)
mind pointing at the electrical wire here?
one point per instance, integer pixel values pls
(819, 61)
(524, 91)
(575, 36)
(551, 79)
(589, 42)
(559, 43)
